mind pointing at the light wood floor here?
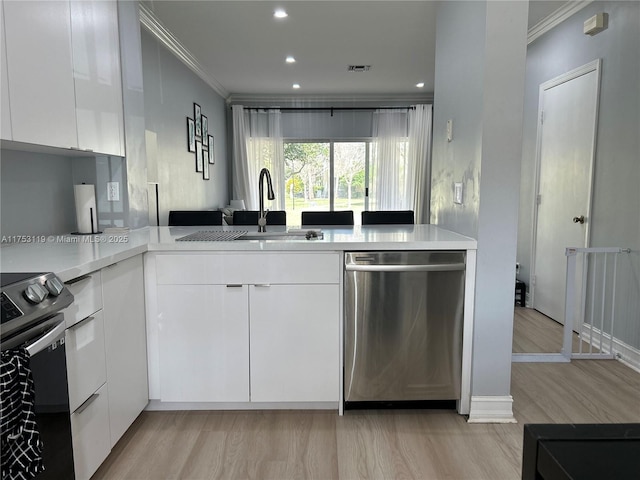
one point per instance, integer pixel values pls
(425, 445)
(534, 332)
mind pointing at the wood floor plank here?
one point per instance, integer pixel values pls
(377, 444)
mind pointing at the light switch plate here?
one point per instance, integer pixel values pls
(113, 192)
(449, 130)
(457, 193)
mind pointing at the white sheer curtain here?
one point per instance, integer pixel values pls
(418, 179)
(401, 160)
(389, 160)
(257, 143)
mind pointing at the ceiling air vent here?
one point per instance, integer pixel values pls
(359, 68)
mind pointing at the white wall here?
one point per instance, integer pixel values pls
(170, 90)
(480, 66)
(615, 221)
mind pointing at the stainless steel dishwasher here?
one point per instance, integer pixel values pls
(403, 327)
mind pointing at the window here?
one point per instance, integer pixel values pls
(325, 175)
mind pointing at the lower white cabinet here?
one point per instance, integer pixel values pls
(106, 359)
(294, 343)
(125, 343)
(86, 366)
(90, 433)
(204, 343)
(265, 331)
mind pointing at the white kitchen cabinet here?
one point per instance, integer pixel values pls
(96, 74)
(294, 343)
(63, 81)
(245, 327)
(86, 365)
(40, 72)
(87, 297)
(203, 343)
(90, 434)
(5, 110)
(125, 343)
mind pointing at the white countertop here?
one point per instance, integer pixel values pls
(71, 256)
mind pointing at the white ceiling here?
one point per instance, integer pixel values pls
(243, 47)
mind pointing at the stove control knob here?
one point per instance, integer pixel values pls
(54, 286)
(35, 293)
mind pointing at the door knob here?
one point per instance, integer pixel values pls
(579, 219)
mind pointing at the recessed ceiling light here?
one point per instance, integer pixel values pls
(290, 59)
(280, 13)
(420, 85)
(296, 85)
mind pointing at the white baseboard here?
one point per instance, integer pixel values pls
(624, 353)
(157, 405)
(493, 409)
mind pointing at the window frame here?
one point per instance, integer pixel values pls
(368, 141)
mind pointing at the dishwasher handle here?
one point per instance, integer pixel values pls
(443, 267)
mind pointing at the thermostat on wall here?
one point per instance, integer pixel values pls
(596, 24)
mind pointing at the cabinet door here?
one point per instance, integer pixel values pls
(90, 434)
(5, 111)
(203, 343)
(39, 61)
(295, 343)
(96, 73)
(86, 366)
(125, 343)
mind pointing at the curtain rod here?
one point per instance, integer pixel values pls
(330, 109)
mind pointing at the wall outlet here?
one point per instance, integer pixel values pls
(449, 130)
(113, 192)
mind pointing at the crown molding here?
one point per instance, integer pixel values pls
(152, 23)
(555, 18)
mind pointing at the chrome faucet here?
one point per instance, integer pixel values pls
(262, 219)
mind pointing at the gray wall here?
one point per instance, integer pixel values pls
(480, 66)
(135, 204)
(170, 90)
(36, 194)
(37, 190)
(615, 221)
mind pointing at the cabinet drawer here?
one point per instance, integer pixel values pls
(86, 363)
(87, 294)
(248, 268)
(90, 433)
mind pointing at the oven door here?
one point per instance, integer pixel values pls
(49, 371)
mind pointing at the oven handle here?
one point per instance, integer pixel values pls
(446, 267)
(47, 339)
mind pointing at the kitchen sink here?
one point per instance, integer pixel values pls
(299, 235)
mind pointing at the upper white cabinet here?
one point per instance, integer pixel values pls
(40, 72)
(63, 75)
(96, 72)
(5, 111)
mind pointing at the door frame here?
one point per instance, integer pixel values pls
(594, 66)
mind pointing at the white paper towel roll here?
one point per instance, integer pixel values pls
(86, 213)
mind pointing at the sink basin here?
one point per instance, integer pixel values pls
(302, 235)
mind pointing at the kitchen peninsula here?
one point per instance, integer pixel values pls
(197, 357)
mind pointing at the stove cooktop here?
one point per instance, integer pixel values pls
(7, 279)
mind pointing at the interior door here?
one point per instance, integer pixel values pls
(568, 111)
